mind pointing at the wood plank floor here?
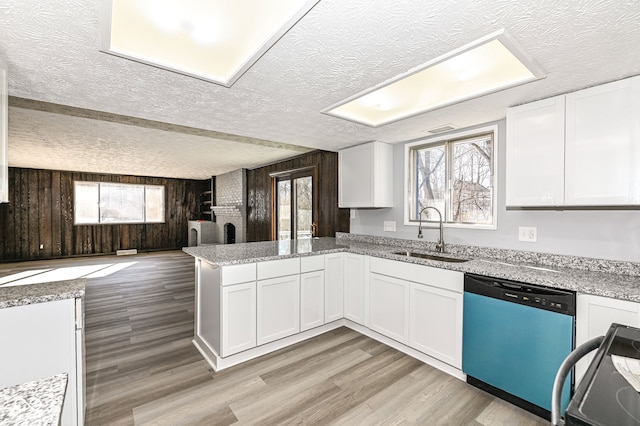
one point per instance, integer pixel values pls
(142, 368)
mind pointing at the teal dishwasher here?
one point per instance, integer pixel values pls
(515, 337)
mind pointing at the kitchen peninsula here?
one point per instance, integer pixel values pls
(254, 298)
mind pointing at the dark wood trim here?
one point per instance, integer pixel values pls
(301, 171)
(274, 206)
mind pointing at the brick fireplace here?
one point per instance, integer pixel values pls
(231, 207)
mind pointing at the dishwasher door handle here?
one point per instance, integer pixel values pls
(510, 286)
(576, 355)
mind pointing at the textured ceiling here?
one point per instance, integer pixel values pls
(338, 49)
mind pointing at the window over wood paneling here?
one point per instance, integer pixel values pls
(117, 203)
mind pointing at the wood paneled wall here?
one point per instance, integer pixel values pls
(331, 219)
(40, 211)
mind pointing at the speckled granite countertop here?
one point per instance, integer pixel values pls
(37, 293)
(36, 403)
(233, 254)
(620, 280)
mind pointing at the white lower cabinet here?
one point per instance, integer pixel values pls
(418, 305)
(355, 275)
(278, 308)
(242, 307)
(389, 307)
(333, 287)
(225, 317)
(435, 323)
(238, 318)
(594, 316)
(311, 300)
(208, 318)
(41, 340)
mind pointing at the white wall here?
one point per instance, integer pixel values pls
(606, 234)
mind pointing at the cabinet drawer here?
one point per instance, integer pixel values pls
(436, 277)
(235, 274)
(278, 268)
(311, 263)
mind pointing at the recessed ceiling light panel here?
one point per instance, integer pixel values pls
(488, 65)
(214, 40)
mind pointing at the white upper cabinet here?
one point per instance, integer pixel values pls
(4, 131)
(603, 145)
(365, 176)
(579, 149)
(535, 153)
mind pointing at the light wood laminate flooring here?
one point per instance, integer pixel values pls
(142, 368)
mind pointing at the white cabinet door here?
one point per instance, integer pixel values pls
(594, 316)
(389, 307)
(238, 318)
(365, 176)
(278, 308)
(355, 288)
(311, 300)
(333, 287)
(603, 145)
(535, 153)
(39, 341)
(435, 324)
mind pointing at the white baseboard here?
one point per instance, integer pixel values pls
(436, 363)
(126, 252)
(218, 363)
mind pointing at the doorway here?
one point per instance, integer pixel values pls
(294, 205)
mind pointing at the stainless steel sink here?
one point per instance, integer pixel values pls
(430, 256)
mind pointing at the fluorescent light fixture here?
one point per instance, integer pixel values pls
(492, 63)
(214, 40)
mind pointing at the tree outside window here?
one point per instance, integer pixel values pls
(457, 177)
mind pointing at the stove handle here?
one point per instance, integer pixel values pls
(563, 372)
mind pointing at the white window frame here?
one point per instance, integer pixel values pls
(124, 222)
(408, 169)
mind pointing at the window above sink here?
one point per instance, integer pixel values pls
(455, 173)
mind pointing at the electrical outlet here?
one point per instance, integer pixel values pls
(352, 213)
(390, 225)
(528, 233)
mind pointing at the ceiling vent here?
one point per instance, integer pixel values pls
(442, 129)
